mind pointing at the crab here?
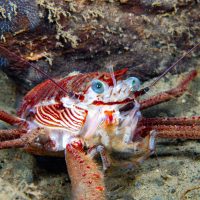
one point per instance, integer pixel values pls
(83, 115)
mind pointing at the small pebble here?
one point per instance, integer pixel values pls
(172, 190)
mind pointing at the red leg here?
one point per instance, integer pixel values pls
(86, 178)
(170, 94)
(186, 121)
(11, 134)
(10, 119)
(179, 132)
(17, 143)
(182, 128)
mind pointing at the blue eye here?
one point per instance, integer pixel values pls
(97, 86)
(134, 83)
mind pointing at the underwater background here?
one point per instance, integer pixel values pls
(63, 36)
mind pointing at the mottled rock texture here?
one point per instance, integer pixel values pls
(18, 15)
(63, 36)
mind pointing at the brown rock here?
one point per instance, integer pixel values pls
(145, 36)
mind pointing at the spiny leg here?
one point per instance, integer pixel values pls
(170, 94)
(11, 134)
(176, 128)
(37, 139)
(10, 119)
(172, 127)
(17, 143)
(86, 178)
(185, 121)
(180, 131)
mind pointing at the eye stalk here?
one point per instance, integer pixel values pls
(134, 83)
(97, 86)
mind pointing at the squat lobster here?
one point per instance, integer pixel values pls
(86, 114)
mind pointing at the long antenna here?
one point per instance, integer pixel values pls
(174, 64)
(144, 90)
(12, 56)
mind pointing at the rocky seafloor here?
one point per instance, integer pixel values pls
(64, 35)
(167, 175)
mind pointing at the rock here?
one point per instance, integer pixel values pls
(64, 36)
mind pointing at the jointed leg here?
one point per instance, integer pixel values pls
(11, 134)
(17, 143)
(14, 133)
(179, 132)
(170, 94)
(104, 157)
(10, 119)
(17, 138)
(86, 178)
(173, 131)
(184, 121)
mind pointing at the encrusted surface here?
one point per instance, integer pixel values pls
(145, 36)
(18, 15)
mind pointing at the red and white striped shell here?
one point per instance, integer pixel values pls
(74, 85)
(76, 111)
